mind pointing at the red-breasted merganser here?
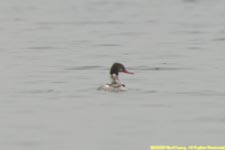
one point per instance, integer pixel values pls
(115, 85)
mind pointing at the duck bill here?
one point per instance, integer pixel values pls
(127, 72)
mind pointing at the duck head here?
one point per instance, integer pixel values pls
(118, 67)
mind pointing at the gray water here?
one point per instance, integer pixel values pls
(54, 54)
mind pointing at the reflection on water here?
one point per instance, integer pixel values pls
(54, 55)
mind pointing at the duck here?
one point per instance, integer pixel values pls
(116, 85)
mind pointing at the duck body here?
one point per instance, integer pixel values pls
(115, 85)
(113, 88)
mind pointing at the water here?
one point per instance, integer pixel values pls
(55, 54)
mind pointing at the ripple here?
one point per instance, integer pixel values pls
(190, 1)
(128, 34)
(94, 22)
(84, 68)
(156, 105)
(219, 39)
(29, 143)
(146, 68)
(194, 48)
(202, 93)
(209, 119)
(151, 91)
(107, 45)
(41, 47)
(39, 91)
(191, 32)
(195, 32)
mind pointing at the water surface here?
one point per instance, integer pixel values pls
(55, 54)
